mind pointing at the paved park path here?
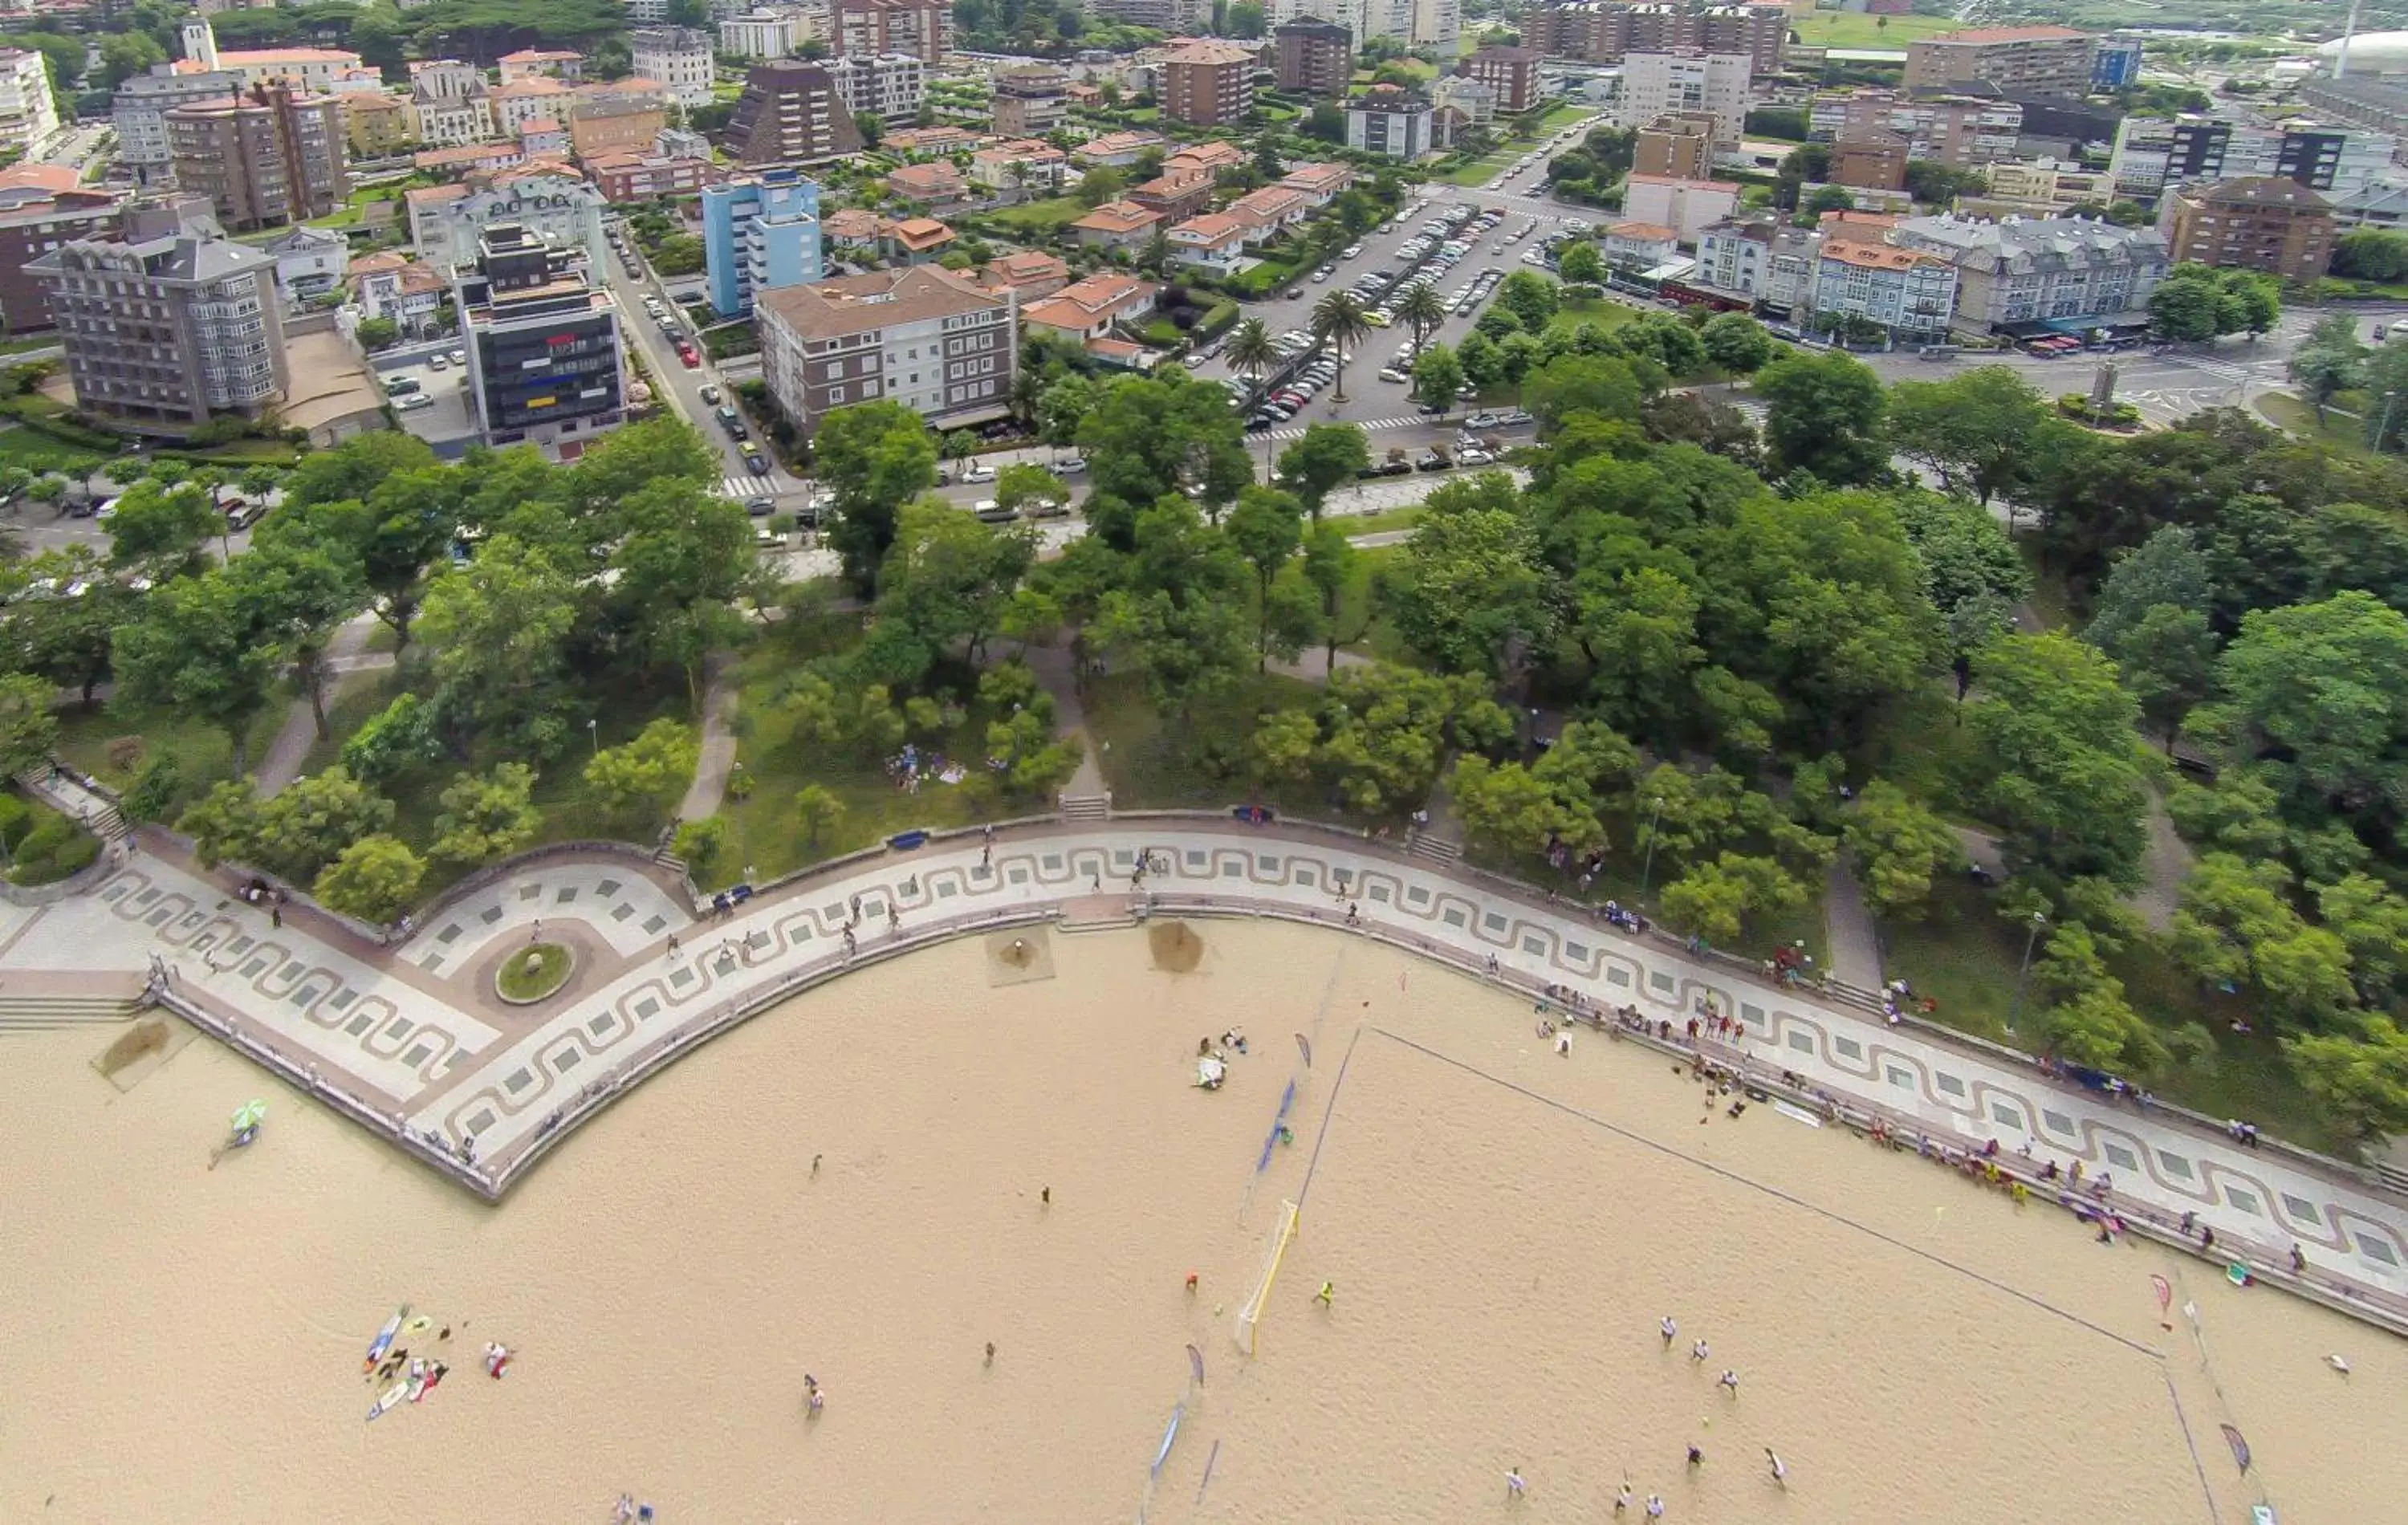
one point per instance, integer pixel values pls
(1056, 667)
(1851, 941)
(717, 754)
(346, 655)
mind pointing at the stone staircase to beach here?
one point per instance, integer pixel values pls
(97, 811)
(1433, 849)
(1087, 807)
(30, 1012)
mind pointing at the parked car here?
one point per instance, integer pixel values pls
(435, 363)
(993, 511)
(402, 386)
(1432, 459)
(1069, 466)
(710, 393)
(413, 402)
(690, 356)
(977, 471)
(1324, 273)
(458, 357)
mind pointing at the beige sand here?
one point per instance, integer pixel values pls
(175, 1334)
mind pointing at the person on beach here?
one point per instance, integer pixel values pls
(1655, 1506)
(1729, 1379)
(1328, 1290)
(1697, 1457)
(1044, 1196)
(1667, 1328)
(1697, 1350)
(1514, 1483)
(1190, 1284)
(990, 1352)
(1780, 1472)
(1622, 1500)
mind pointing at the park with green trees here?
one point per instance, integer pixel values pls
(2124, 782)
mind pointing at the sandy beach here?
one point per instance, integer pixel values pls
(1503, 1226)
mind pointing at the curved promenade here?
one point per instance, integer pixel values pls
(409, 1039)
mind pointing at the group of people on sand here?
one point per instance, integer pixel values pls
(1667, 1328)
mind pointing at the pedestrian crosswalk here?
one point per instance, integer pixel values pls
(740, 488)
(1297, 433)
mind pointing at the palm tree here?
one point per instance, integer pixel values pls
(1420, 310)
(1337, 318)
(1251, 357)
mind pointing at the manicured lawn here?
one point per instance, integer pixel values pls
(2286, 411)
(533, 973)
(1853, 29)
(1153, 762)
(202, 750)
(1478, 172)
(24, 447)
(1596, 310)
(1032, 218)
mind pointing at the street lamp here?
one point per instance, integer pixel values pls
(1655, 813)
(594, 733)
(2383, 430)
(2038, 921)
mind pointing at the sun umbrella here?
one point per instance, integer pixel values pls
(250, 1116)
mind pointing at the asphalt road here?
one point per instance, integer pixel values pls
(681, 389)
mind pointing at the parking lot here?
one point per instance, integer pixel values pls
(444, 418)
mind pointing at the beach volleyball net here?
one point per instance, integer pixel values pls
(1251, 1312)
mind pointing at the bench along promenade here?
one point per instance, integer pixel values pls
(407, 1036)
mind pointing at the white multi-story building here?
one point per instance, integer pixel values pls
(676, 57)
(1416, 24)
(890, 87)
(445, 79)
(562, 207)
(29, 118)
(451, 121)
(1388, 121)
(1653, 84)
(765, 34)
(647, 12)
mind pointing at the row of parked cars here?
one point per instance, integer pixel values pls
(1289, 399)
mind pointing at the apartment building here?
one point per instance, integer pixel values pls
(789, 113)
(1944, 128)
(2058, 271)
(759, 234)
(1475, 102)
(1873, 161)
(1314, 57)
(615, 119)
(29, 116)
(2377, 104)
(1512, 72)
(1712, 85)
(1435, 25)
(1688, 206)
(677, 58)
(539, 98)
(169, 326)
(2042, 187)
(874, 28)
(1907, 291)
(1679, 144)
(1734, 256)
(546, 361)
(1391, 121)
(765, 34)
(43, 207)
(264, 159)
(445, 79)
(933, 341)
(2264, 222)
(2154, 152)
(1030, 102)
(139, 112)
(548, 200)
(1207, 84)
(1179, 18)
(2019, 59)
(547, 63)
(890, 87)
(376, 126)
(1603, 31)
(624, 177)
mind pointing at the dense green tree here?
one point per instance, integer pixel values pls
(1146, 439)
(28, 730)
(1467, 592)
(1975, 429)
(305, 825)
(2236, 924)
(2330, 360)
(2165, 569)
(396, 739)
(1531, 297)
(1901, 847)
(375, 879)
(1267, 527)
(875, 457)
(162, 528)
(1580, 262)
(1736, 344)
(820, 812)
(1824, 414)
(1180, 619)
(2056, 733)
(2319, 693)
(486, 815)
(66, 641)
(300, 594)
(1324, 459)
(2372, 920)
(1559, 390)
(948, 578)
(499, 627)
(682, 557)
(2359, 1073)
(2370, 254)
(642, 775)
(2167, 663)
(1438, 376)
(198, 649)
